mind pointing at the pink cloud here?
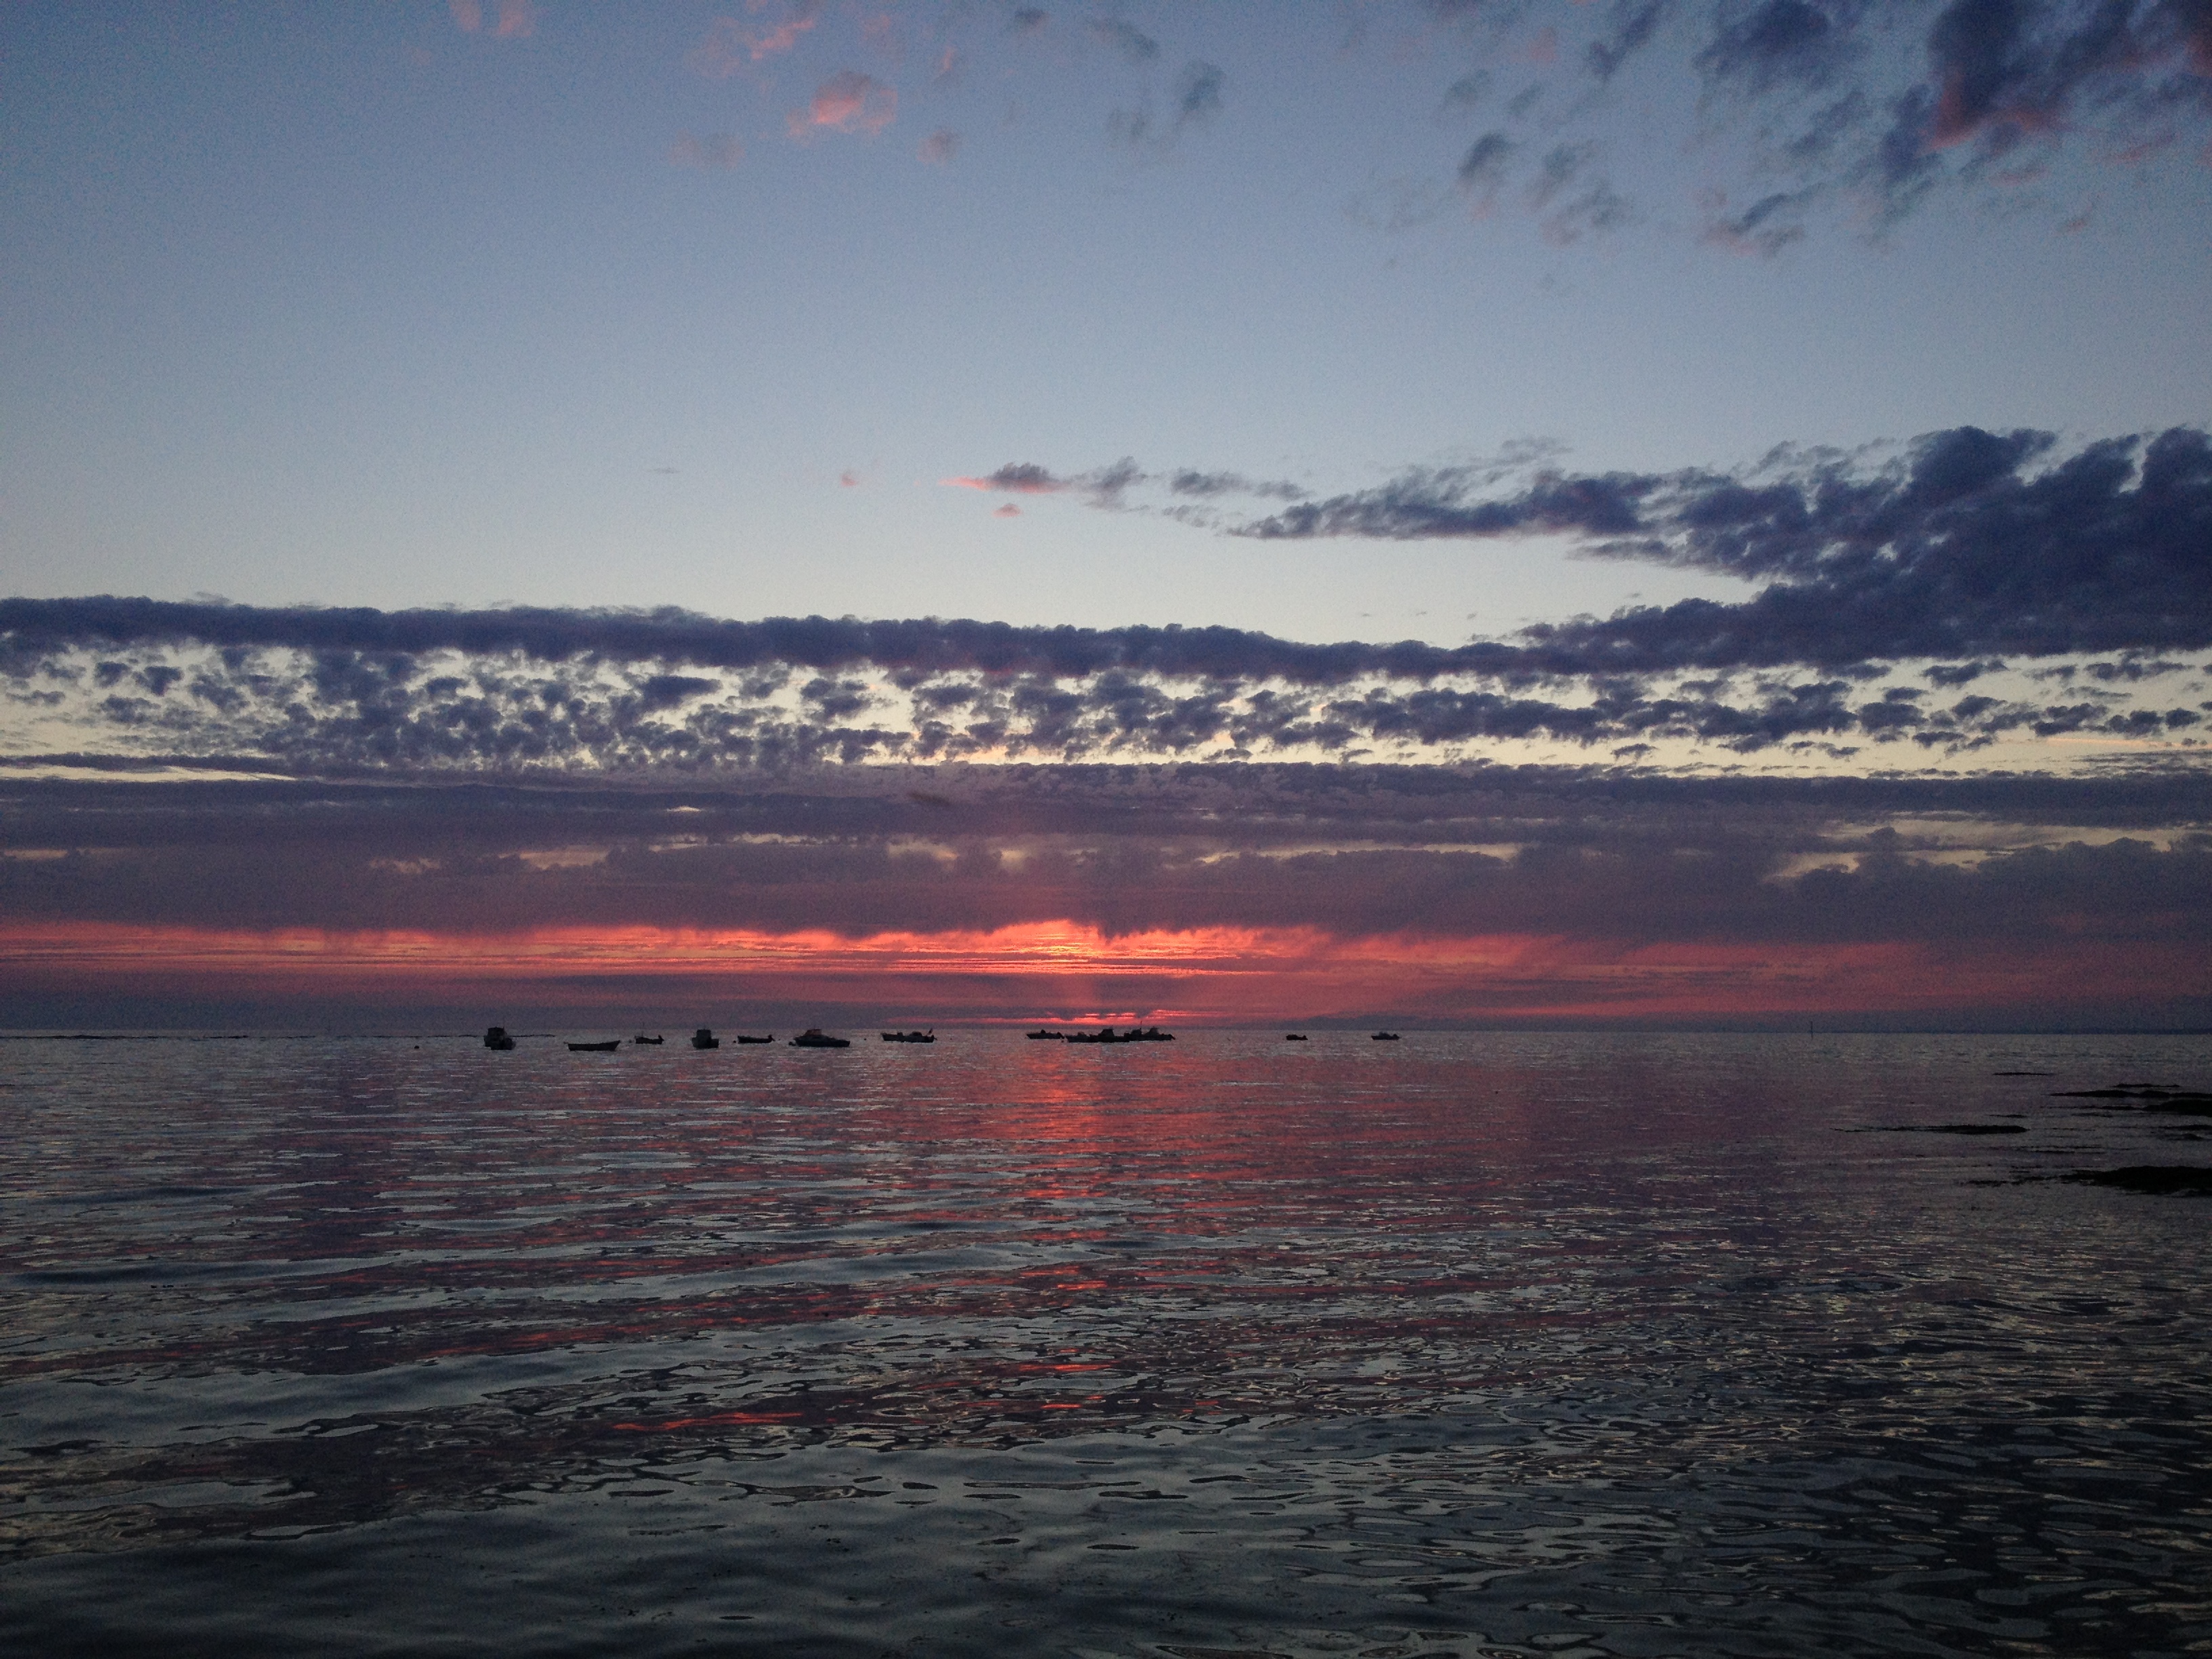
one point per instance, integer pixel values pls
(1008, 511)
(848, 101)
(729, 45)
(939, 147)
(849, 479)
(717, 151)
(512, 20)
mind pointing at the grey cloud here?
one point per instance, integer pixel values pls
(1198, 94)
(1483, 167)
(1766, 227)
(1961, 550)
(1631, 24)
(1777, 43)
(1125, 39)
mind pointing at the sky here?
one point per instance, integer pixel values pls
(1458, 512)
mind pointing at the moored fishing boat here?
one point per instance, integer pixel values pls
(814, 1038)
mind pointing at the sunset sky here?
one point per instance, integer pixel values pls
(1454, 512)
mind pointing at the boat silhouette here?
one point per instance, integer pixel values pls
(495, 1036)
(645, 1042)
(813, 1037)
(606, 1048)
(1040, 1035)
(742, 1038)
(1134, 1034)
(930, 1035)
(1385, 1036)
(704, 1038)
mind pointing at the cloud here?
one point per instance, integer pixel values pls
(1968, 544)
(1008, 511)
(1132, 44)
(848, 101)
(1487, 892)
(1198, 94)
(2040, 593)
(513, 20)
(939, 147)
(1844, 108)
(717, 151)
(1631, 24)
(1023, 477)
(1765, 228)
(730, 45)
(544, 692)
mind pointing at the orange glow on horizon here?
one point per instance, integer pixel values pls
(1018, 973)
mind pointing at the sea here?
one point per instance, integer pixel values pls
(1468, 1344)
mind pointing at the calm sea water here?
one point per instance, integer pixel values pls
(1463, 1344)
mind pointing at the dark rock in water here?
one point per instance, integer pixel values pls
(1972, 1129)
(2188, 1105)
(1942, 1129)
(2149, 1178)
(2151, 1096)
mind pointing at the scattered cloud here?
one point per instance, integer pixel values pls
(1008, 511)
(939, 147)
(848, 101)
(730, 43)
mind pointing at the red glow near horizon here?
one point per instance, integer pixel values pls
(1018, 973)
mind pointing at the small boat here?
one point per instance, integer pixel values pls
(742, 1038)
(704, 1038)
(1109, 1035)
(1294, 1037)
(1385, 1036)
(645, 1042)
(1134, 1034)
(930, 1035)
(606, 1048)
(1042, 1036)
(813, 1037)
(1149, 1034)
(495, 1036)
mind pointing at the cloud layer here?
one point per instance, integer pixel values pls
(1497, 893)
